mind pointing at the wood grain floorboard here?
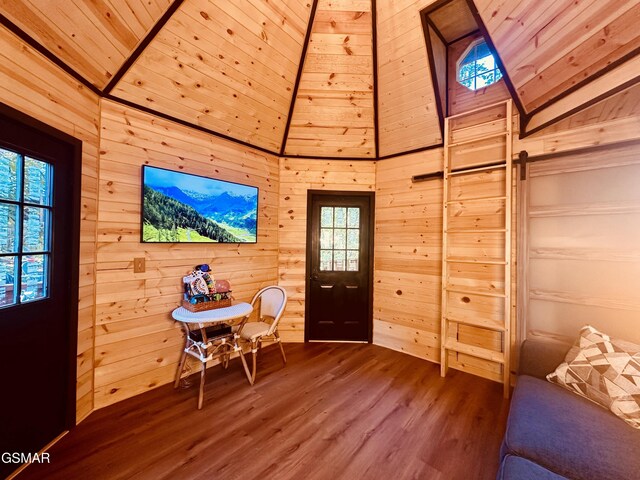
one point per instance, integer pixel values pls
(335, 411)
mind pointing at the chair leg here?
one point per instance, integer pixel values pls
(254, 354)
(246, 367)
(259, 352)
(224, 360)
(183, 361)
(202, 378)
(284, 358)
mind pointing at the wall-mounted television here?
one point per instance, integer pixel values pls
(181, 207)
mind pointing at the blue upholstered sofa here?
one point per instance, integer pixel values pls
(553, 434)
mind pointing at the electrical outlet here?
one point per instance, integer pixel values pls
(138, 265)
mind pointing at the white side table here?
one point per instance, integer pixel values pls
(205, 348)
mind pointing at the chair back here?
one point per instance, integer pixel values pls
(273, 299)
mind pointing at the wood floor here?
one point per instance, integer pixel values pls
(336, 411)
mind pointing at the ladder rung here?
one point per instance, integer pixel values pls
(479, 109)
(474, 351)
(476, 199)
(476, 230)
(475, 260)
(475, 292)
(477, 139)
(472, 169)
(480, 323)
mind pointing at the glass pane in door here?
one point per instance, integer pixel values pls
(34, 278)
(8, 279)
(37, 182)
(35, 229)
(9, 189)
(26, 206)
(8, 225)
(339, 239)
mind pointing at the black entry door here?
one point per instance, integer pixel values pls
(39, 238)
(339, 266)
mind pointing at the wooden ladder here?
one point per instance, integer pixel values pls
(476, 242)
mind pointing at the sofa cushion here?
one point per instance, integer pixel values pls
(518, 468)
(604, 370)
(568, 434)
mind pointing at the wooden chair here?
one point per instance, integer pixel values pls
(273, 299)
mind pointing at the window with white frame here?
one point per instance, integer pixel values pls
(477, 67)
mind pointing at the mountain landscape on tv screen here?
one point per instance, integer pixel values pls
(172, 214)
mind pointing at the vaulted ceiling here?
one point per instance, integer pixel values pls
(328, 78)
(552, 48)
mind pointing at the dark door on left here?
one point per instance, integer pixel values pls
(39, 239)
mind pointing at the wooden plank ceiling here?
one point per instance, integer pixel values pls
(230, 67)
(454, 20)
(550, 46)
(407, 111)
(227, 66)
(94, 37)
(624, 104)
(334, 113)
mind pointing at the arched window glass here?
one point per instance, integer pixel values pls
(477, 67)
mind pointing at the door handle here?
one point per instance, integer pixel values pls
(315, 277)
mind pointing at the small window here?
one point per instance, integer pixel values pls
(339, 239)
(25, 228)
(477, 67)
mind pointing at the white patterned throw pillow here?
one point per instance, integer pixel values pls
(604, 370)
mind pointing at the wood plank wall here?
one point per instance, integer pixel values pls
(408, 255)
(137, 343)
(583, 225)
(584, 129)
(296, 177)
(407, 115)
(607, 122)
(35, 86)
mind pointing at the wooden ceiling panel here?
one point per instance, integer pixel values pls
(454, 20)
(93, 37)
(552, 46)
(624, 104)
(229, 67)
(407, 115)
(333, 114)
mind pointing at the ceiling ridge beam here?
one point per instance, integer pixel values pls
(409, 152)
(374, 45)
(441, 109)
(33, 43)
(142, 45)
(296, 85)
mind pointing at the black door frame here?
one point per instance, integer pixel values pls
(370, 248)
(74, 183)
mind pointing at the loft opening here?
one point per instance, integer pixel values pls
(465, 70)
